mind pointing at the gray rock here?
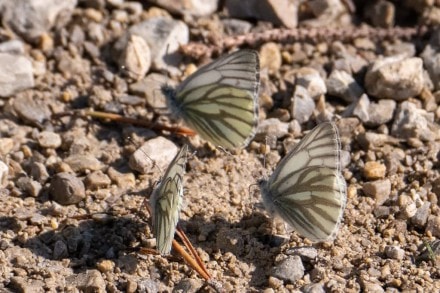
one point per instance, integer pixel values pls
(379, 189)
(421, 216)
(31, 19)
(29, 186)
(189, 7)
(278, 12)
(306, 253)
(381, 13)
(372, 287)
(15, 47)
(67, 189)
(30, 110)
(60, 250)
(395, 77)
(4, 171)
(381, 112)
(147, 286)
(96, 180)
(149, 87)
(361, 108)
(431, 61)
(394, 252)
(135, 58)
(370, 140)
(302, 105)
(159, 151)
(123, 178)
(290, 269)
(188, 285)
(236, 26)
(49, 139)
(90, 281)
(311, 80)
(433, 226)
(327, 12)
(271, 127)
(16, 74)
(343, 85)
(163, 43)
(313, 288)
(82, 163)
(412, 122)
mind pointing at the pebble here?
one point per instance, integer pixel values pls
(66, 188)
(431, 61)
(148, 285)
(30, 109)
(395, 77)
(234, 26)
(278, 12)
(105, 265)
(372, 287)
(188, 285)
(433, 226)
(407, 206)
(49, 139)
(96, 180)
(159, 151)
(135, 58)
(302, 105)
(370, 140)
(29, 186)
(379, 189)
(6, 145)
(16, 74)
(290, 269)
(343, 85)
(60, 250)
(4, 171)
(421, 216)
(381, 112)
(436, 187)
(381, 14)
(270, 57)
(15, 47)
(189, 7)
(82, 163)
(273, 128)
(394, 252)
(311, 80)
(122, 178)
(413, 122)
(163, 43)
(89, 281)
(374, 170)
(31, 19)
(306, 253)
(149, 88)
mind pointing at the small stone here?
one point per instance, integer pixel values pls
(371, 140)
(135, 58)
(90, 281)
(49, 139)
(188, 285)
(82, 163)
(4, 171)
(436, 187)
(60, 250)
(396, 77)
(159, 151)
(148, 285)
(29, 186)
(189, 7)
(306, 253)
(431, 60)
(31, 110)
(311, 80)
(374, 170)
(379, 189)
(67, 189)
(270, 57)
(313, 288)
(302, 105)
(271, 127)
(96, 180)
(407, 206)
(274, 283)
(234, 26)
(394, 252)
(6, 145)
(421, 216)
(433, 226)
(372, 287)
(105, 265)
(381, 14)
(381, 112)
(343, 85)
(16, 74)
(122, 178)
(290, 269)
(39, 172)
(278, 12)
(149, 88)
(38, 219)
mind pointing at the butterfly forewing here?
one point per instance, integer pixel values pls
(166, 202)
(307, 188)
(220, 100)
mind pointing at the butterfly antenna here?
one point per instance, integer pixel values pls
(224, 150)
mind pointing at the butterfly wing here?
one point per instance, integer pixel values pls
(307, 188)
(220, 100)
(166, 202)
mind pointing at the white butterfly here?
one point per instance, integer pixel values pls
(166, 202)
(307, 188)
(220, 100)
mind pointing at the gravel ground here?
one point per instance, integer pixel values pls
(71, 190)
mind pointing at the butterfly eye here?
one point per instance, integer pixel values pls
(307, 189)
(220, 100)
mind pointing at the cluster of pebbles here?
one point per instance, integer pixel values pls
(72, 187)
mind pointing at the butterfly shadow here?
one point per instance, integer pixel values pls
(249, 240)
(86, 243)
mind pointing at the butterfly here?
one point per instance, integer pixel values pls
(166, 202)
(307, 189)
(220, 100)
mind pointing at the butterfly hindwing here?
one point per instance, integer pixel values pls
(220, 100)
(166, 202)
(307, 188)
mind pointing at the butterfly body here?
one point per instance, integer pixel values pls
(307, 189)
(166, 202)
(220, 100)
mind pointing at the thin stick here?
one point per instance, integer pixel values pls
(191, 262)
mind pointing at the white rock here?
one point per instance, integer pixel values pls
(4, 170)
(16, 74)
(136, 57)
